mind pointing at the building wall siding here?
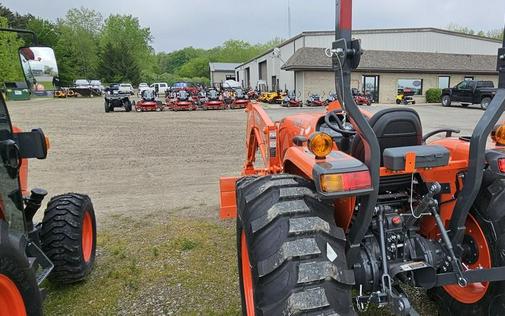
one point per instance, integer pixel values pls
(323, 82)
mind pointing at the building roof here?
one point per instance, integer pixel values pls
(223, 66)
(394, 61)
(376, 31)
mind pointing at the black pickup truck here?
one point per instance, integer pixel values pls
(470, 92)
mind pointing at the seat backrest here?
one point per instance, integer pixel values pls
(395, 127)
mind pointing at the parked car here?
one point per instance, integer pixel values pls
(160, 87)
(470, 92)
(97, 85)
(82, 83)
(126, 88)
(142, 87)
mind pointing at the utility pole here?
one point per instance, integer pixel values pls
(289, 18)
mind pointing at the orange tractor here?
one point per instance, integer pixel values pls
(348, 208)
(62, 247)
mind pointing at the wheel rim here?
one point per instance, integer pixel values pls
(10, 298)
(485, 104)
(87, 237)
(473, 292)
(445, 101)
(247, 276)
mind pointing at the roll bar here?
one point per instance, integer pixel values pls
(346, 54)
(476, 159)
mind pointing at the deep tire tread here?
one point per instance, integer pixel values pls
(288, 231)
(61, 237)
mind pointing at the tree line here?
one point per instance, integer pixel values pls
(113, 49)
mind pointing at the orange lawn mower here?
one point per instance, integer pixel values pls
(213, 101)
(183, 102)
(148, 102)
(240, 99)
(347, 209)
(62, 247)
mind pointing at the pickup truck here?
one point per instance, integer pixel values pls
(470, 92)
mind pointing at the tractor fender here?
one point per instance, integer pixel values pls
(300, 161)
(491, 199)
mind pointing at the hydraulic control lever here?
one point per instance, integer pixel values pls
(427, 202)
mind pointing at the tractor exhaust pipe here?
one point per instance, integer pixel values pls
(346, 55)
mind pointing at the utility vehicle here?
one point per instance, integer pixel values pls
(62, 247)
(347, 208)
(115, 98)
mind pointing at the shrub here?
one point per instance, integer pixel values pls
(434, 95)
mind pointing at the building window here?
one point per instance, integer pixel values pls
(416, 85)
(469, 78)
(444, 82)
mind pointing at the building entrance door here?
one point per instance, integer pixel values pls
(371, 86)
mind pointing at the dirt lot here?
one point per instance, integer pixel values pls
(153, 178)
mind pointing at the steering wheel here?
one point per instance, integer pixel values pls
(337, 125)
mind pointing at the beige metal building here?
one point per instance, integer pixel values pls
(420, 59)
(219, 72)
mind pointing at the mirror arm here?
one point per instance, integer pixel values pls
(22, 31)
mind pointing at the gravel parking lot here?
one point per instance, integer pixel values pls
(153, 178)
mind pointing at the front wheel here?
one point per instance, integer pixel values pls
(107, 107)
(128, 106)
(19, 292)
(485, 102)
(446, 100)
(290, 252)
(68, 237)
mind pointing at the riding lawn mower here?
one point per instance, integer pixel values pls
(314, 100)
(348, 209)
(240, 100)
(61, 248)
(148, 101)
(291, 100)
(182, 102)
(213, 101)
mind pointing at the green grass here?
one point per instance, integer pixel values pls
(156, 264)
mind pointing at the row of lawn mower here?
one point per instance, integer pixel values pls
(290, 99)
(179, 99)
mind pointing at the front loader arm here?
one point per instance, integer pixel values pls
(261, 135)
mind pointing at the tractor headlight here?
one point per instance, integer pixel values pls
(320, 144)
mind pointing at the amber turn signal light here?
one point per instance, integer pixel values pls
(498, 135)
(345, 182)
(320, 144)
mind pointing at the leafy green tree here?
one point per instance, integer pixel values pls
(126, 31)
(496, 34)
(46, 31)
(117, 64)
(171, 62)
(10, 69)
(196, 67)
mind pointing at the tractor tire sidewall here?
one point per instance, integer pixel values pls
(14, 265)
(493, 303)
(446, 100)
(273, 291)
(61, 237)
(484, 103)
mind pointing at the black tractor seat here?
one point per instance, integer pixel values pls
(394, 127)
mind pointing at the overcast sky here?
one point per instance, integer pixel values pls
(203, 23)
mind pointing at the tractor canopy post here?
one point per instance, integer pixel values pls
(346, 55)
(476, 159)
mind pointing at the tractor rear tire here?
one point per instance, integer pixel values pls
(493, 301)
(295, 250)
(19, 290)
(68, 237)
